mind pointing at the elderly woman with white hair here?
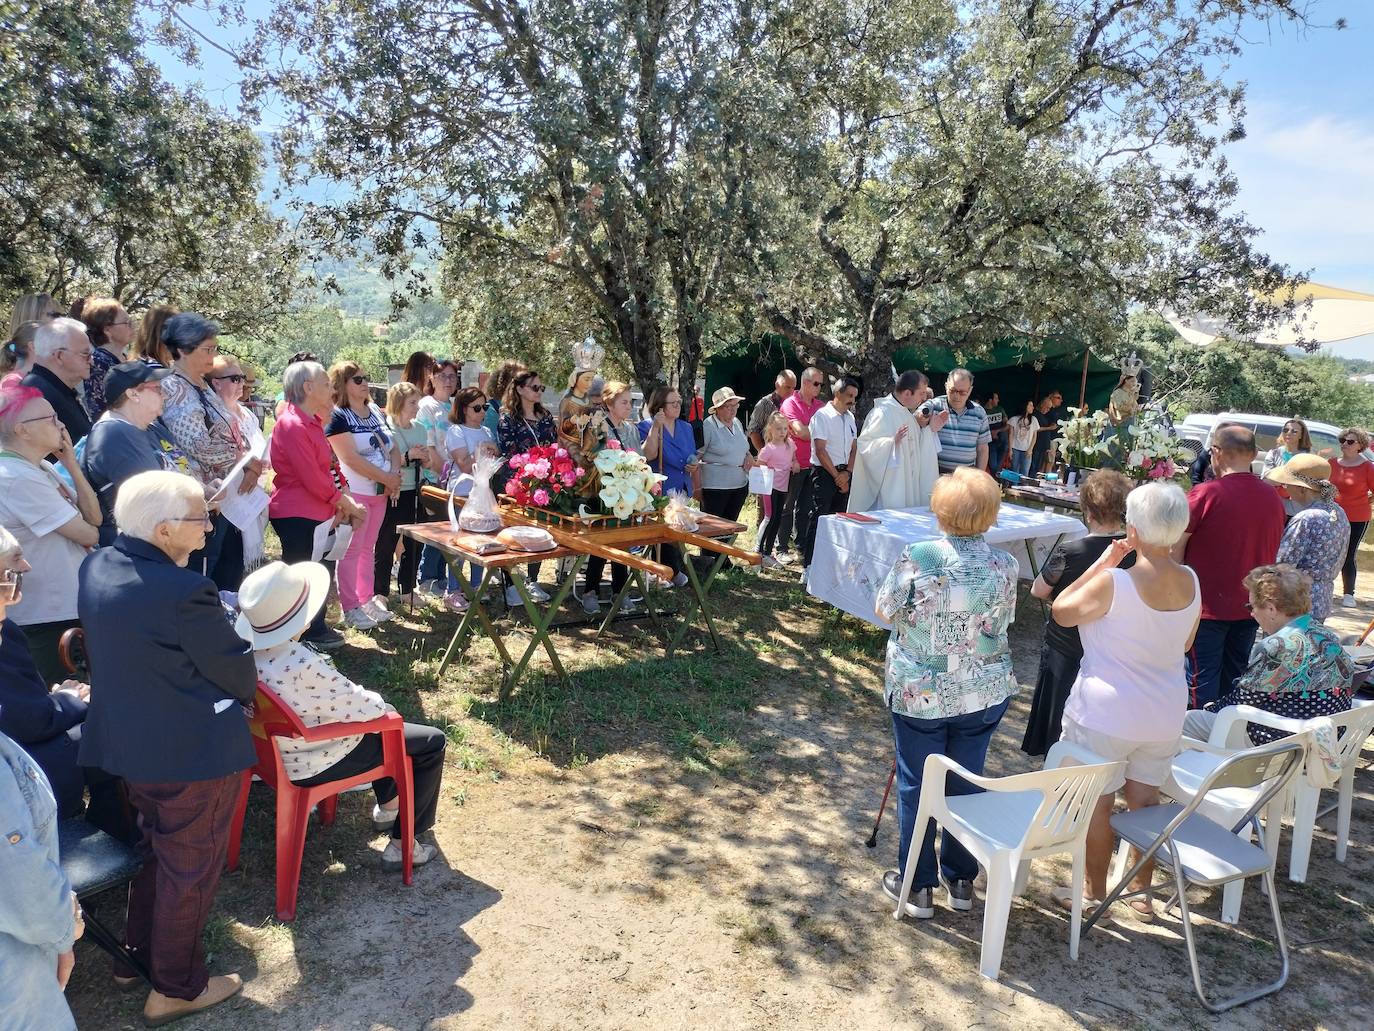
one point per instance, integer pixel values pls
(949, 675)
(169, 680)
(53, 523)
(1131, 693)
(307, 480)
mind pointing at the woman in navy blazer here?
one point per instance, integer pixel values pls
(169, 679)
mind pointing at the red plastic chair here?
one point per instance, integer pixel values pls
(273, 718)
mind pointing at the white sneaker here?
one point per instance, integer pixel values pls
(513, 599)
(680, 580)
(591, 604)
(359, 619)
(536, 592)
(769, 562)
(785, 558)
(456, 601)
(377, 610)
(419, 856)
(1348, 601)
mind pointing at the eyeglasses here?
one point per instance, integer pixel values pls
(357, 381)
(206, 520)
(674, 401)
(233, 377)
(50, 417)
(212, 348)
(11, 580)
(126, 322)
(83, 355)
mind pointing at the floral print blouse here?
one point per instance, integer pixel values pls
(515, 434)
(950, 602)
(201, 427)
(1315, 541)
(1300, 671)
(308, 682)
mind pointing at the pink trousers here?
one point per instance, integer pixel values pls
(355, 570)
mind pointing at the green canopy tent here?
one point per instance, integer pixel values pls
(750, 368)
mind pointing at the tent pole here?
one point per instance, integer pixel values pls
(1083, 383)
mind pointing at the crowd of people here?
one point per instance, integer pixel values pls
(137, 482)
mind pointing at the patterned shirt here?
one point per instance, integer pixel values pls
(516, 434)
(1298, 672)
(960, 437)
(318, 693)
(950, 602)
(1315, 541)
(201, 427)
(102, 361)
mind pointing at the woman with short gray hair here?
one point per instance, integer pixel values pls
(1131, 694)
(307, 482)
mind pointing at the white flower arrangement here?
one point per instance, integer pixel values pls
(628, 486)
(1150, 450)
(1086, 441)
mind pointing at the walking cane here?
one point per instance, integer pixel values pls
(872, 841)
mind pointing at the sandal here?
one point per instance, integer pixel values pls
(1063, 896)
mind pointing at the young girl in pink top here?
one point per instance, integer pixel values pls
(780, 455)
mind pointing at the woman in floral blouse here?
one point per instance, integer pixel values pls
(949, 674)
(1315, 539)
(1298, 670)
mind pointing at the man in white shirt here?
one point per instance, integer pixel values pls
(897, 457)
(834, 439)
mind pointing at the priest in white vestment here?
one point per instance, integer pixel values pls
(896, 462)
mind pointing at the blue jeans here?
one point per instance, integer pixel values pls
(1221, 652)
(1020, 462)
(997, 450)
(964, 739)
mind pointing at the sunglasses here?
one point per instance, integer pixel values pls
(477, 408)
(235, 377)
(1349, 440)
(357, 381)
(538, 388)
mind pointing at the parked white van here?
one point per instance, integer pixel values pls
(1198, 426)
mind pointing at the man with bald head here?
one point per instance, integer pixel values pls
(784, 384)
(1235, 523)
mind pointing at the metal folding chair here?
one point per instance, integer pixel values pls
(1202, 852)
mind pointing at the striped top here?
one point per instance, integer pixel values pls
(960, 437)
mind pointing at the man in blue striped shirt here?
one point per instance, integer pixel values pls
(965, 437)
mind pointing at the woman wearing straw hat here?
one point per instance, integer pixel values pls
(724, 457)
(1317, 536)
(276, 604)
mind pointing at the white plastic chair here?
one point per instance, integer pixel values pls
(1012, 821)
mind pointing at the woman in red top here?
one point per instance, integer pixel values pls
(1353, 475)
(306, 485)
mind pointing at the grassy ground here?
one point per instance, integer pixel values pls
(679, 844)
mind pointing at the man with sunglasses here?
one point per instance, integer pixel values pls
(61, 364)
(1235, 523)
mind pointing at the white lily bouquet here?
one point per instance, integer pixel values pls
(1151, 451)
(1086, 439)
(628, 486)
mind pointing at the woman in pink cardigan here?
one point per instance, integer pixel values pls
(306, 490)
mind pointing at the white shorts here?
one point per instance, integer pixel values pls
(1147, 762)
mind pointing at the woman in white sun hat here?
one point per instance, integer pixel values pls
(724, 457)
(277, 603)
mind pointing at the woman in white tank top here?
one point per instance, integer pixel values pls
(1131, 693)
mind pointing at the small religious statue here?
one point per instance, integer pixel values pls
(576, 412)
(1124, 404)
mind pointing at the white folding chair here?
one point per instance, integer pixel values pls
(1010, 822)
(1197, 850)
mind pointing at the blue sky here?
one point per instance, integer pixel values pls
(1306, 168)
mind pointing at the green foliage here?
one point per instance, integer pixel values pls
(1236, 376)
(116, 183)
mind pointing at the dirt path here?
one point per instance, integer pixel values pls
(680, 846)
